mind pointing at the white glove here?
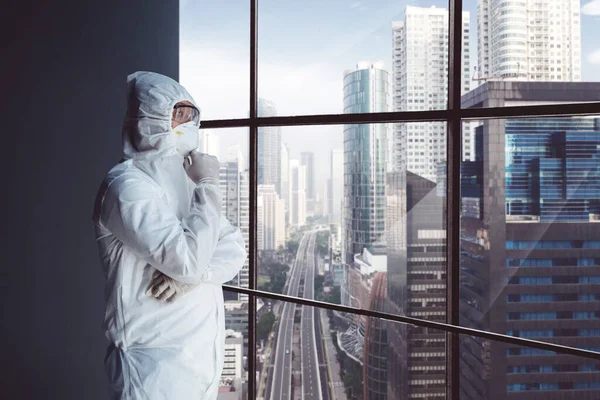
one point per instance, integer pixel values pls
(164, 288)
(204, 168)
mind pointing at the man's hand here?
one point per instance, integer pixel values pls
(164, 288)
(204, 168)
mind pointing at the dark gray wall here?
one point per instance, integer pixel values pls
(62, 106)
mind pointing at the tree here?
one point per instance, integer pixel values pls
(336, 296)
(322, 243)
(319, 283)
(277, 273)
(265, 324)
(292, 246)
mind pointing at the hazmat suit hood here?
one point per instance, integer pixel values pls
(149, 142)
(147, 132)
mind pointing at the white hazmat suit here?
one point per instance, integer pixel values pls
(150, 216)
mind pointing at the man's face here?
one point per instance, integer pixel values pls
(175, 123)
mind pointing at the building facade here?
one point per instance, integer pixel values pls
(233, 365)
(529, 40)
(297, 208)
(284, 185)
(375, 346)
(270, 218)
(236, 319)
(269, 147)
(336, 185)
(307, 159)
(234, 184)
(530, 257)
(416, 287)
(366, 89)
(420, 76)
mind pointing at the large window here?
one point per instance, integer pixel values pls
(418, 185)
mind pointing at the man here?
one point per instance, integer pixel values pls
(165, 251)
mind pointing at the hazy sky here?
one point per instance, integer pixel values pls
(304, 48)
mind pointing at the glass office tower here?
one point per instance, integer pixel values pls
(530, 247)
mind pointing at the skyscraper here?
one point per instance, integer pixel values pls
(307, 158)
(297, 207)
(324, 202)
(416, 244)
(233, 366)
(529, 40)
(234, 183)
(420, 70)
(269, 147)
(336, 190)
(284, 184)
(366, 89)
(270, 218)
(530, 248)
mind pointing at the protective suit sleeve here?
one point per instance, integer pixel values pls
(229, 255)
(141, 219)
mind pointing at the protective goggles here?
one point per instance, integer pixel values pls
(183, 113)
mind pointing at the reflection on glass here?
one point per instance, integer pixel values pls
(530, 258)
(304, 352)
(372, 236)
(231, 148)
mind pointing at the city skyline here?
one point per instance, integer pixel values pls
(299, 138)
(319, 67)
(393, 202)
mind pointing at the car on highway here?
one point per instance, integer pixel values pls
(287, 351)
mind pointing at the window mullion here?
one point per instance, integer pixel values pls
(253, 164)
(453, 159)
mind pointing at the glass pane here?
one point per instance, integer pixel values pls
(491, 370)
(230, 146)
(310, 352)
(366, 199)
(214, 56)
(530, 231)
(512, 43)
(326, 57)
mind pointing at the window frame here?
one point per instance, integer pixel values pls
(454, 115)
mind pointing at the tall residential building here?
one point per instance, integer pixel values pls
(307, 158)
(530, 246)
(529, 40)
(366, 90)
(284, 183)
(233, 365)
(234, 183)
(236, 319)
(324, 202)
(420, 71)
(210, 143)
(270, 218)
(336, 186)
(297, 195)
(269, 147)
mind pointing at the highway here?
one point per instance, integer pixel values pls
(311, 381)
(281, 379)
(280, 382)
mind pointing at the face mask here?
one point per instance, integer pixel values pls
(187, 136)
